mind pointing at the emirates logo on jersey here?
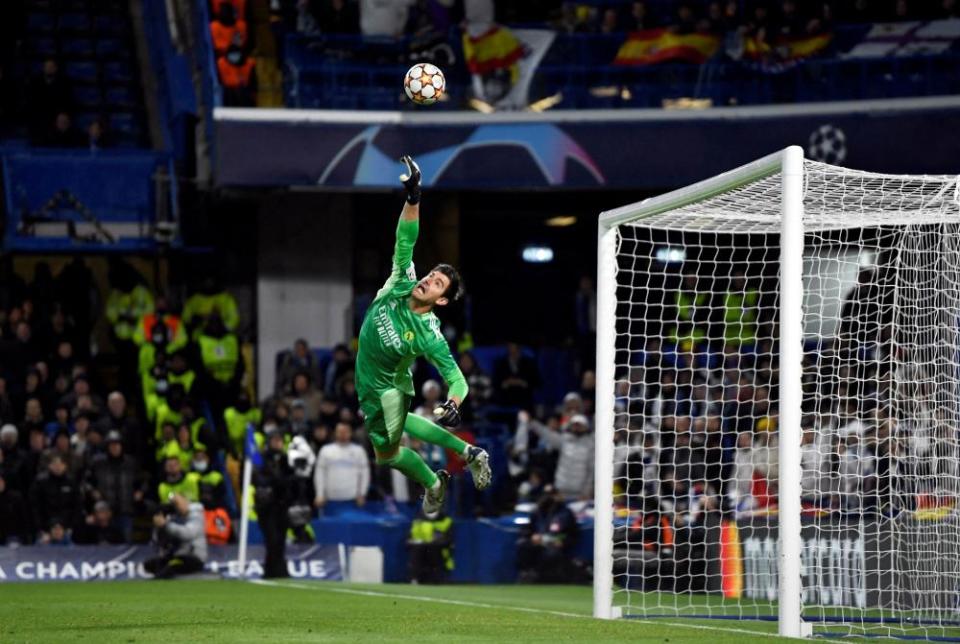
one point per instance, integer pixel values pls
(385, 329)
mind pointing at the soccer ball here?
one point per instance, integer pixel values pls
(424, 83)
(827, 144)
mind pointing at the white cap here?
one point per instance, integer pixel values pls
(9, 429)
(572, 396)
(428, 385)
(579, 419)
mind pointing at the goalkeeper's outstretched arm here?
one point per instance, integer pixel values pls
(411, 183)
(408, 228)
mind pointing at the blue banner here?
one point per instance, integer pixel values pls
(623, 149)
(88, 563)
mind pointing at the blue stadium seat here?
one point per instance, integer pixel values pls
(83, 120)
(76, 47)
(128, 142)
(40, 47)
(120, 96)
(382, 99)
(111, 48)
(109, 25)
(41, 23)
(109, 6)
(74, 23)
(116, 72)
(124, 123)
(81, 72)
(88, 97)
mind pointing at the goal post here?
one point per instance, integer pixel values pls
(778, 402)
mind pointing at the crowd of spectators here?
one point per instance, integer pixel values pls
(37, 99)
(474, 41)
(87, 463)
(46, 107)
(696, 421)
(696, 438)
(416, 18)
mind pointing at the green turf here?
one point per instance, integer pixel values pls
(303, 611)
(228, 611)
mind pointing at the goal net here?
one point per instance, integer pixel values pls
(778, 402)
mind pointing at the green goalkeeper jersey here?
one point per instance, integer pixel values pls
(393, 336)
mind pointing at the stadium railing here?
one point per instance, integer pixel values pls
(70, 200)
(176, 99)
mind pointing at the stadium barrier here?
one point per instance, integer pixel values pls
(114, 563)
(67, 201)
(850, 562)
(575, 149)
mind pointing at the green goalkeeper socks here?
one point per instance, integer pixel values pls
(412, 465)
(422, 429)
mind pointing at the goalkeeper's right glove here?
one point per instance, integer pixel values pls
(447, 414)
(411, 180)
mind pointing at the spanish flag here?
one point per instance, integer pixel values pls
(658, 45)
(496, 48)
(786, 48)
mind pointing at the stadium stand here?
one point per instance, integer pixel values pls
(89, 46)
(97, 427)
(629, 54)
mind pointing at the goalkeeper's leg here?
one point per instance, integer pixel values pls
(477, 459)
(385, 424)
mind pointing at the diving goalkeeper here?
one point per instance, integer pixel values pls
(399, 326)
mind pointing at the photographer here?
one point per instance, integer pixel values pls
(182, 544)
(301, 459)
(545, 549)
(271, 500)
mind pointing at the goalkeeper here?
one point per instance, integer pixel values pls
(399, 326)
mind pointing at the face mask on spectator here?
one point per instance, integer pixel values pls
(200, 465)
(235, 56)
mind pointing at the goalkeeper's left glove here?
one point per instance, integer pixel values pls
(411, 180)
(448, 414)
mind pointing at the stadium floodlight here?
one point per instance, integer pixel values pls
(778, 415)
(537, 254)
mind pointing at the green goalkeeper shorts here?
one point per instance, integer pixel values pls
(384, 417)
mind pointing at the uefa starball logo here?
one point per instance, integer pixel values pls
(827, 144)
(547, 146)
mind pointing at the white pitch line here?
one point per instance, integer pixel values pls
(522, 609)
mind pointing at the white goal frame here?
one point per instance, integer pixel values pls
(789, 164)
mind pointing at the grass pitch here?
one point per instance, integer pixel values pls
(300, 611)
(303, 611)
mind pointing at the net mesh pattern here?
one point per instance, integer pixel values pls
(696, 424)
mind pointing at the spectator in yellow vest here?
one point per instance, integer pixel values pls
(236, 418)
(740, 313)
(128, 301)
(213, 487)
(430, 545)
(201, 305)
(222, 367)
(176, 481)
(691, 313)
(158, 332)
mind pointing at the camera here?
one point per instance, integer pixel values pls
(300, 457)
(299, 515)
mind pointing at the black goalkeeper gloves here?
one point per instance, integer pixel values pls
(411, 180)
(448, 414)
